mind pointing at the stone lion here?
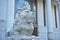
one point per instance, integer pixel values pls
(23, 25)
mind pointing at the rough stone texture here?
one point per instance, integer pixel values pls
(23, 25)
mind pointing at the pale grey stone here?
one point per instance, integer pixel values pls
(23, 25)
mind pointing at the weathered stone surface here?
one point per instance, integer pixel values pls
(23, 25)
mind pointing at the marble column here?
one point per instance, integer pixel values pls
(49, 19)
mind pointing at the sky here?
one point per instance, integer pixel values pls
(20, 4)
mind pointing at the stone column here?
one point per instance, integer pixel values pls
(59, 13)
(49, 19)
(10, 14)
(59, 19)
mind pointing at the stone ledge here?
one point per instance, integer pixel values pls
(25, 38)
